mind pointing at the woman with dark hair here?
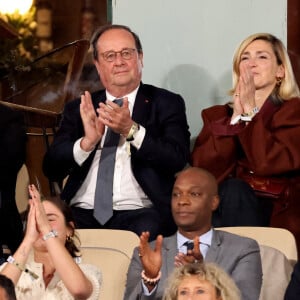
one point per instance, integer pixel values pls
(46, 265)
(7, 289)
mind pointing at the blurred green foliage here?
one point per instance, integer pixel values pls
(16, 54)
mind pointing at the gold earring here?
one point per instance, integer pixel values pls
(69, 238)
(278, 81)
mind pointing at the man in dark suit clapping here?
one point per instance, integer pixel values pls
(153, 142)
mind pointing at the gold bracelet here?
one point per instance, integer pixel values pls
(21, 267)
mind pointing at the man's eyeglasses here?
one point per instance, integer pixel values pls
(126, 53)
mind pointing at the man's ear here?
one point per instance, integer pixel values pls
(215, 202)
(141, 58)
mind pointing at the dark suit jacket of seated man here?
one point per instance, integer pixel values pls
(293, 289)
(194, 199)
(12, 153)
(153, 146)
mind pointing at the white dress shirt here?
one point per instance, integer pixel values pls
(127, 194)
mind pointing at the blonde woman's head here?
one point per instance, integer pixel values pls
(286, 86)
(200, 281)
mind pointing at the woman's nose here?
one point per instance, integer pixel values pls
(252, 62)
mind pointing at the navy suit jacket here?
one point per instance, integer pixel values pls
(238, 256)
(293, 289)
(164, 151)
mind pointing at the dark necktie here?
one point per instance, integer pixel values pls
(189, 245)
(103, 205)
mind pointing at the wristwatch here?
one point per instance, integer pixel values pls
(132, 132)
(51, 234)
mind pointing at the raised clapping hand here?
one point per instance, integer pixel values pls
(93, 127)
(191, 256)
(151, 259)
(37, 221)
(42, 224)
(244, 95)
(115, 117)
(32, 233)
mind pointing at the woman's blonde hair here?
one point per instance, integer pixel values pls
(224, 285)
(288, 87)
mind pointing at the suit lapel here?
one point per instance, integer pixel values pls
(98, 97)
(214, 250)
(142, 106)
(169, 252)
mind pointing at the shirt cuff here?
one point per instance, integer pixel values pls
(146, 291)
(235, 120)
(80, 155)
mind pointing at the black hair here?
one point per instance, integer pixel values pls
(8, 285)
